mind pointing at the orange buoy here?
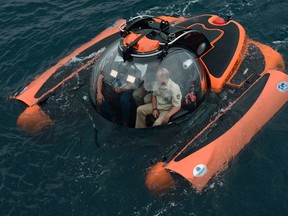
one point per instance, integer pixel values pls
(33, 119)
(219, 21)
(158, 179)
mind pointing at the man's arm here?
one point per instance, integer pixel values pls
(176, 103)
(155, 111)
(125, 87)
(169, 114)
(100, 97)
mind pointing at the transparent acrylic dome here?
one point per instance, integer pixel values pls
(184, 69)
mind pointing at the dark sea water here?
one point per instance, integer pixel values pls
(62, 171)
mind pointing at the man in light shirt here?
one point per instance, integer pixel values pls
(166, 101)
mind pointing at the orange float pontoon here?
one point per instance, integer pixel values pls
(231, 87)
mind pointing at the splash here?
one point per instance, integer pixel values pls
(181, 9)
(76, 59)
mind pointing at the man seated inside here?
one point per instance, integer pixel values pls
(141, 95)
(166, 101)
(117, 96)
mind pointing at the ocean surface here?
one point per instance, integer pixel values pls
(64, 171)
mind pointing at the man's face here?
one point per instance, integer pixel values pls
(160, 75)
